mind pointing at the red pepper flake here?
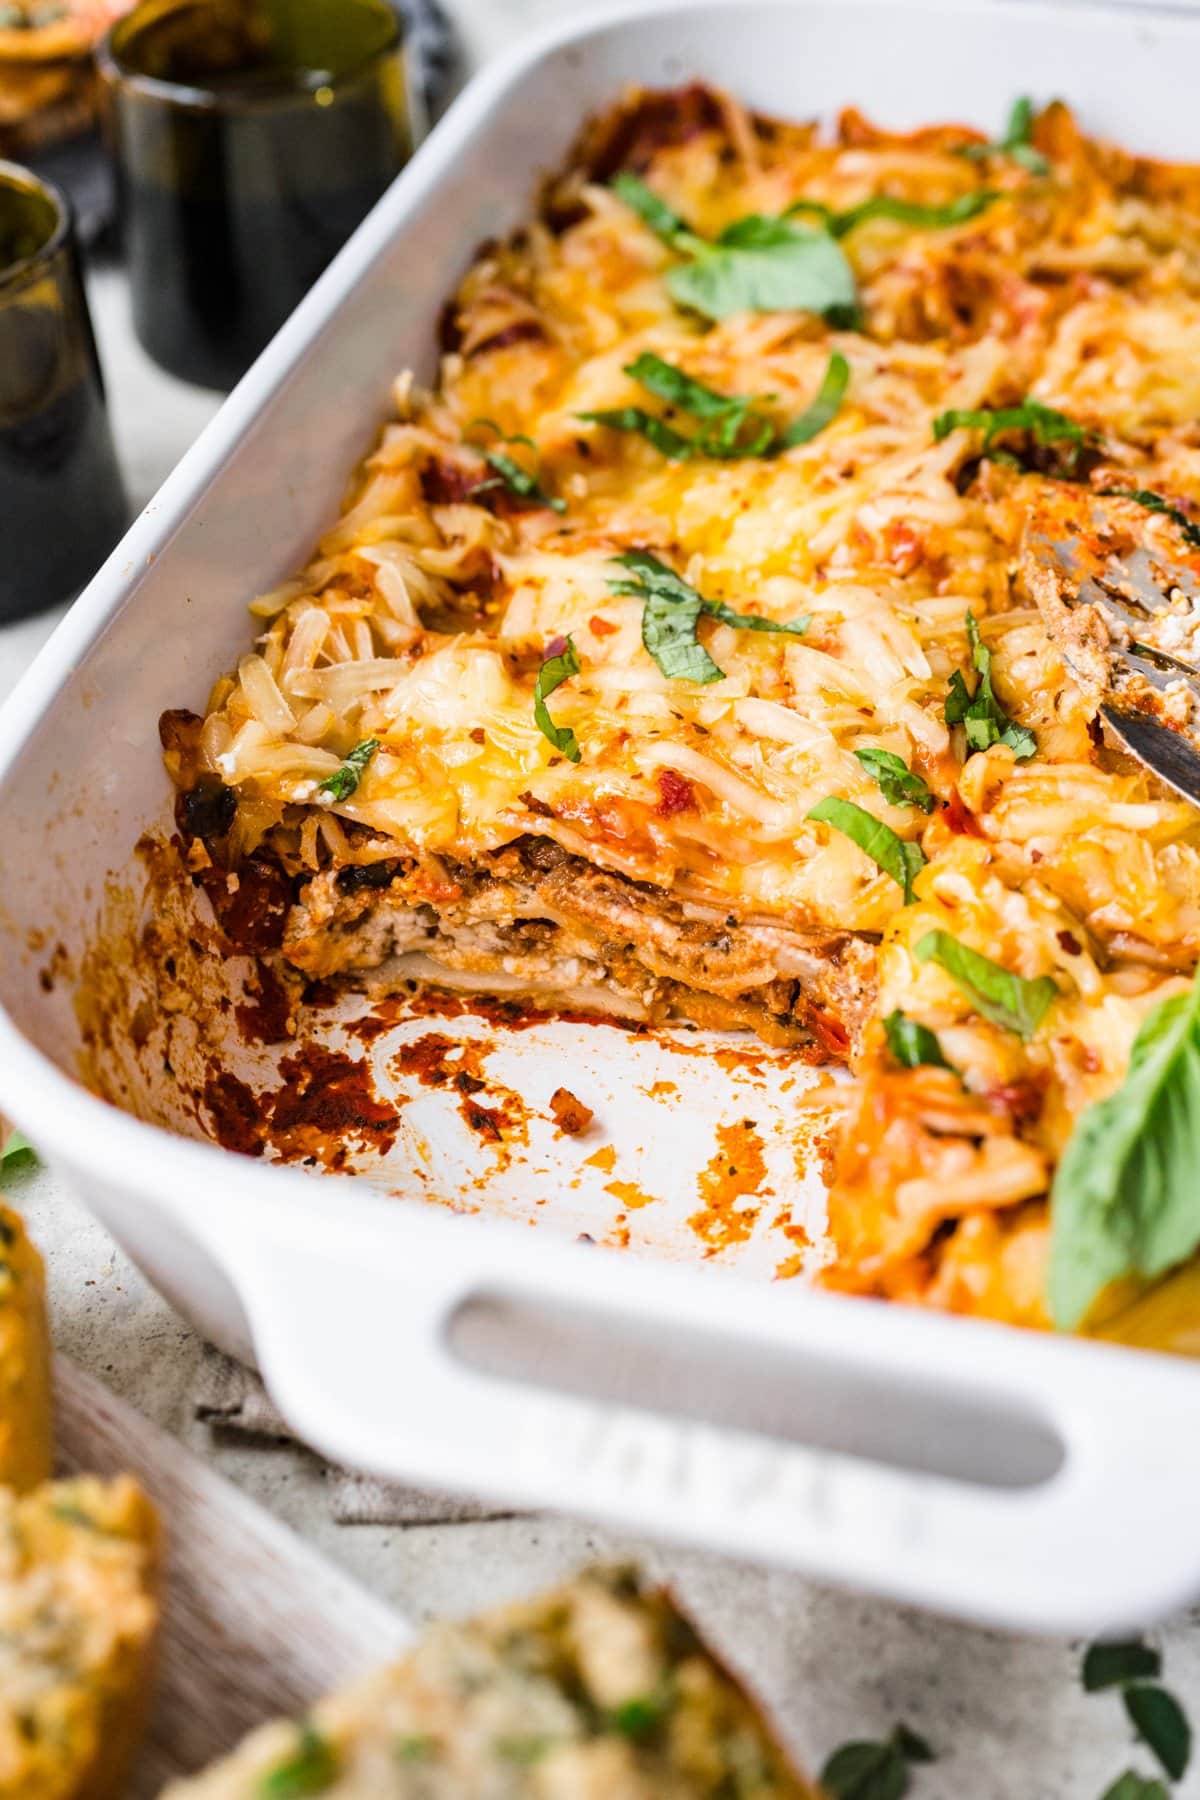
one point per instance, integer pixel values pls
(959, 818)
(602, 628)
(1022, 1100)
(1070, 943)
(676, 794)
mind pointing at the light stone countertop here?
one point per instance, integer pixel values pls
(1006, 1716)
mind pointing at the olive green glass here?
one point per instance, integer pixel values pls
(251, 137)
(62, 502)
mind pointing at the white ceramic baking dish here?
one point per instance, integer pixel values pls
(1023, 1480)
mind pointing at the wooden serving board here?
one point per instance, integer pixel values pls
(256, 1623)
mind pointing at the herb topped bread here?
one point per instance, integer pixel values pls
(25, 1432)
(597, 1691)
(78, 1616)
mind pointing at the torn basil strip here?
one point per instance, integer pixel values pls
(519, 481)
(896, 856)
(1155, 503)
(823, 408)
(890, 206)
(553, 672)
(980, 713)
(636, 421)
(672, 610)
(912, 1045)
(1045, 424)
(1124, 1198)
(344, 781)
(894, 779)
(1011, 1001)
(662, 219)
(1016, 143)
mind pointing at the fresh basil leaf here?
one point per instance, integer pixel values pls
(672, 612)
(666, 382)
(1155, 503)
(912, 212)
(902, 860)
(1124, 1198)
(519, 481)
(642, 1716)
(18, 1151)
(1046, 425)
(1132, 1786)
(1004, 998)
(663, 221)
(553, 672)
(344, 781)
(1107, 1665)
(1162, 1725)
(869, 1770)
(1017, 141)
(822, 409)
(913, 1046)
(981, 714)
(895, 780)
(311, 1769)
(761, 264)
(656, 431)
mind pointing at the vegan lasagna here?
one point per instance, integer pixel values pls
(679, 655)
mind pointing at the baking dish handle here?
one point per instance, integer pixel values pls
(1006, 1476)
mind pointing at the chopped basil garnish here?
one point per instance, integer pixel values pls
(311, 1769)
(732, 427)
(904, 212)
(1113, 1664)
(343, 782)
(1016, 143)
(823, 408)
(672, 613)
(517, 480)
(1153, 502)
(867, 1770)
(553, 672)
(913, 1046)
(1160, 1722)
(18, 1151)
(757, 264)
(1045, 425)
(525, 1750)
(1005, 999)
(1132, 1786)
(641, 1717)
(1124, 1198)
(895, 780)
(981, 714)
(662, 220)
(897, 857)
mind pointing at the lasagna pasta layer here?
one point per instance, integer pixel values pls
(457, 739)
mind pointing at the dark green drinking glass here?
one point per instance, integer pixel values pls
(62, 501)
(251, 137)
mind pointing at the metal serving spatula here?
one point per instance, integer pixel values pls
(1081, 594)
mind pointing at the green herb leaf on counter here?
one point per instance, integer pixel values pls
(913, 1046)
(1005, 999)
(869, 1770)
(894, 779)
(672, 612)
(553, 672)
(344, 781)
(981, 714)
(896, 856)
(1152, 502)
(1160, 1722)
(1107, 1665)
(1132, 1786)
(1016, 143)
(311, 1769)
(18, 1153)
(1123, 1200)
(824, 406)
